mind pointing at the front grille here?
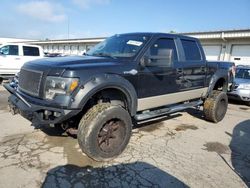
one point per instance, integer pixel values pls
(30, 81)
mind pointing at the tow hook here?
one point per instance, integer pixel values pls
(13, 109)
(72, 131)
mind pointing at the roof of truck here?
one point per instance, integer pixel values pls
(22, 44)
(159, 33)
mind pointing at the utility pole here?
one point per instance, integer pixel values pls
(68, 27)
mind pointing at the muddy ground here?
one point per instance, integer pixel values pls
(178, 151)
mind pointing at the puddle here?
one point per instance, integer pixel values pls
(4, 101)
(184, 127)
(151, 127)
(216, 147)
(39, 151)
(71, 150)
(244, 108)
(4, 109)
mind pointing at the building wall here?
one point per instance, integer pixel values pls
(215, 49)
(236, 50)
(230, 45)
(9, 40)
(67, 48)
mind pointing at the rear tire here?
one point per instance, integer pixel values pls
(215, 107)
(104, 131)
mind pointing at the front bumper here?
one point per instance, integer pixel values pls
(37, 114)
(240, 94)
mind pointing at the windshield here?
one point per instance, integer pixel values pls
(243, 73)
(119, 46)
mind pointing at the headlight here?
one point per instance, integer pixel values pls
(59, 86)
(244, 86)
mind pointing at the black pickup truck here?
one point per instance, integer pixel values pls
(127, 78)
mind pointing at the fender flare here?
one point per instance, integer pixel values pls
(106, 81)
(219, 74)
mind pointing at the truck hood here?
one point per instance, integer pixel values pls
(242, 81)
(73, 62)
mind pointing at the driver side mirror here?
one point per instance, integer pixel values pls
(164, 58)
(145, 61)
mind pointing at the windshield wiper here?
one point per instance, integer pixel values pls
(101, 54)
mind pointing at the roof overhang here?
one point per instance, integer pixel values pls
(228, 34)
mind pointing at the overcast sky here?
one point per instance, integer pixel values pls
(40, 19)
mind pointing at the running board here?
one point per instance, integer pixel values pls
(166, 110)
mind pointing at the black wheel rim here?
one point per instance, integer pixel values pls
(111, 135)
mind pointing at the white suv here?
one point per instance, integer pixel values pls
(13, 56)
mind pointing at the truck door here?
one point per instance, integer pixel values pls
(157, 75)
(9, 59)
(194, 66)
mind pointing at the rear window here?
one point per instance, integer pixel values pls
(191, 50)
(30, 51)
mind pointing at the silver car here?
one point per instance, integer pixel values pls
(241, 89)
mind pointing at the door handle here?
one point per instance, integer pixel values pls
(17, 58)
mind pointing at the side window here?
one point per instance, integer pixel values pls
(9, 50)
(161, 48)
(191, 50)
(30, 51)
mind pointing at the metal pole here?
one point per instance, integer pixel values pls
(68, 27)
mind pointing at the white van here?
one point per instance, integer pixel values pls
(13, 56)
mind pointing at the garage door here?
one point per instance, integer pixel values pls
(66, 49)
(61, 48)
(73, 49)
(212, 52)
(241, 54)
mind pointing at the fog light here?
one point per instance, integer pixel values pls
(57, 114)
(47, 112)
(52, 125)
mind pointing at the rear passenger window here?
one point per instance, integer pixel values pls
(191, 50)
(30, 51)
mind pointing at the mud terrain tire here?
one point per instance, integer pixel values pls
(215, 107)
(104, 131)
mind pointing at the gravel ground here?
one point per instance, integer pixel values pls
(178, 151)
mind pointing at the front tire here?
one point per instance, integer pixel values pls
(215, 107)
(104, 131)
